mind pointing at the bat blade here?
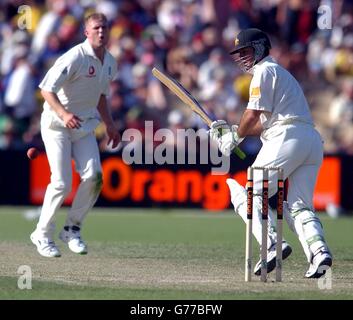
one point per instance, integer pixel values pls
(185, 96)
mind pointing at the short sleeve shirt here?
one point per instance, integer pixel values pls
(79, 78)
(276, 92)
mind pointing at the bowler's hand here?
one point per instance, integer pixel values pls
(71, 121)
(113, 135)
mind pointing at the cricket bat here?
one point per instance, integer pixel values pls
(185, 96)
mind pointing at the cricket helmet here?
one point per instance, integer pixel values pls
(256, 39)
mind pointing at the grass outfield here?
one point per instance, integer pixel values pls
(163, 254)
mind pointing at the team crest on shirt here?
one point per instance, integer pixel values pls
(91, 72)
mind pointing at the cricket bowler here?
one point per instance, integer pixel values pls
(75, 90)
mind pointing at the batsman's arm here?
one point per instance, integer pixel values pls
(250, 124)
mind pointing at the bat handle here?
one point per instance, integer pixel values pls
(239, 153)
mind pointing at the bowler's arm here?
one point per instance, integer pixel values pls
(250, 124)
(112, 131)
(70, 120)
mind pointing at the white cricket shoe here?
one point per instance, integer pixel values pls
(72, 236)
(320, 263)
(45, 246)
(271, 258)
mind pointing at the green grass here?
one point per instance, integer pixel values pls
(162, 254)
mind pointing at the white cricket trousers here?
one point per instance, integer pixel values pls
(298, 149)
(62, 145)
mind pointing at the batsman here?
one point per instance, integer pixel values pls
(278, 112)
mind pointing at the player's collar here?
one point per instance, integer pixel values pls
(88, 49)
(266, 59)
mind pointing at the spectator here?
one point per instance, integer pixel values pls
(340, 131)
(341, 108)
(179, 37)
(20, 91)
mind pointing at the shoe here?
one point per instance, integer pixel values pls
(45, 246)
(71, 236)
(320, 263)
(271, 258)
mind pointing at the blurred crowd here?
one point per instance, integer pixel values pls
(190, 40)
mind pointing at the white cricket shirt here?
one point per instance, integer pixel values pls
(79, 79)
(274, 90)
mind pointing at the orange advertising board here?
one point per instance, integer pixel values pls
(328, 186)
(142, 185)
(39, 177)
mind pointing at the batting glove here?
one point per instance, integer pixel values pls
(228, 141)
(218, 128)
